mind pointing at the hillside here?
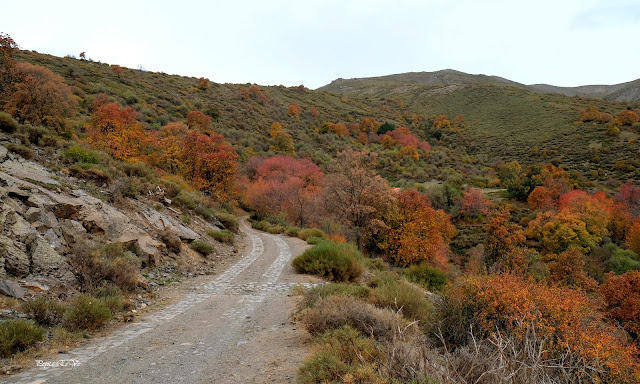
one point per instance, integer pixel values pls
(503, 119)
(508, 121)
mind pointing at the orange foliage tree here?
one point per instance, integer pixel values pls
(564, 320)
(589, 114)
(627, 117)
(285, 184)
(369, 124)
(568, 269)
(8, 73)
(117, 131)
(633, 237)
(503, 236)
(203, 83)
(622, 300)
(417, 232)
(208, 162)
(197, 119)
(118, 70)
(441, 122)
(294, 110)
(41, 97)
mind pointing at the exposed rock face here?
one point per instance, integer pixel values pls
(41, 227)
(45, 261)
(16, 260)
(11, 289)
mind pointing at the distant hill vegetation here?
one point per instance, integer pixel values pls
(629, 91)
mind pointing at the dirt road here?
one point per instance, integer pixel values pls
(235, 328)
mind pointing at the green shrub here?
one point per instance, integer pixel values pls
(7, 123)
(429, 277)
(77, 154)
(86, 312)
(292, 231)
(185, 219)
(311, 232)
(18, 335)
(623, 260)
(88, 171)
(275, 229)
(343, 353)
(313, 240)
(261, 225)
(202, 247)
(138, 169)
(229, 221)
(45, 311)
(223, 235)
(314, 294)
(34, 134)
(337, 262)
(399, 295)
(21, 150)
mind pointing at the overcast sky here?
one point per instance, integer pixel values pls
(271, 42)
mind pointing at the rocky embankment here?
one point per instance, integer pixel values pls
(46, 217)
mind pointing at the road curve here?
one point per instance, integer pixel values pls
(234, 328)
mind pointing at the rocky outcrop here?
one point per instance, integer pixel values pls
(42, 224)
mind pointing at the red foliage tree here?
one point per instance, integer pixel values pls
(284, 184)
(118, 70)
(473, 203)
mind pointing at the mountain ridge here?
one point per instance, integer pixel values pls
(628, 91)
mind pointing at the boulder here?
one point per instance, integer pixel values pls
(11, 289)
(54, 240)
(72, 231)
(22, 230)
(148, 249)
(45, 261)
(16, 261)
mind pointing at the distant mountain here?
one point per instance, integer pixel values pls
(629, 91)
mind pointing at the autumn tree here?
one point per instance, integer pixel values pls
(627, 117)
(198, 120)
(203, 83)
(369, 124)
(209, 163)
(285, 184)
(473, 204)
(417, 232)
(568, 269)
(282, 140)
(633, 237)
(117, 70)
(629, 195)
(589, 114)
(442, 122)
(503, 236)
(294, 110)
(8, 73)
(563, 320)
(314, 112)
(117, 131)
(622, 300)
(41, 97)
(355, 195)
